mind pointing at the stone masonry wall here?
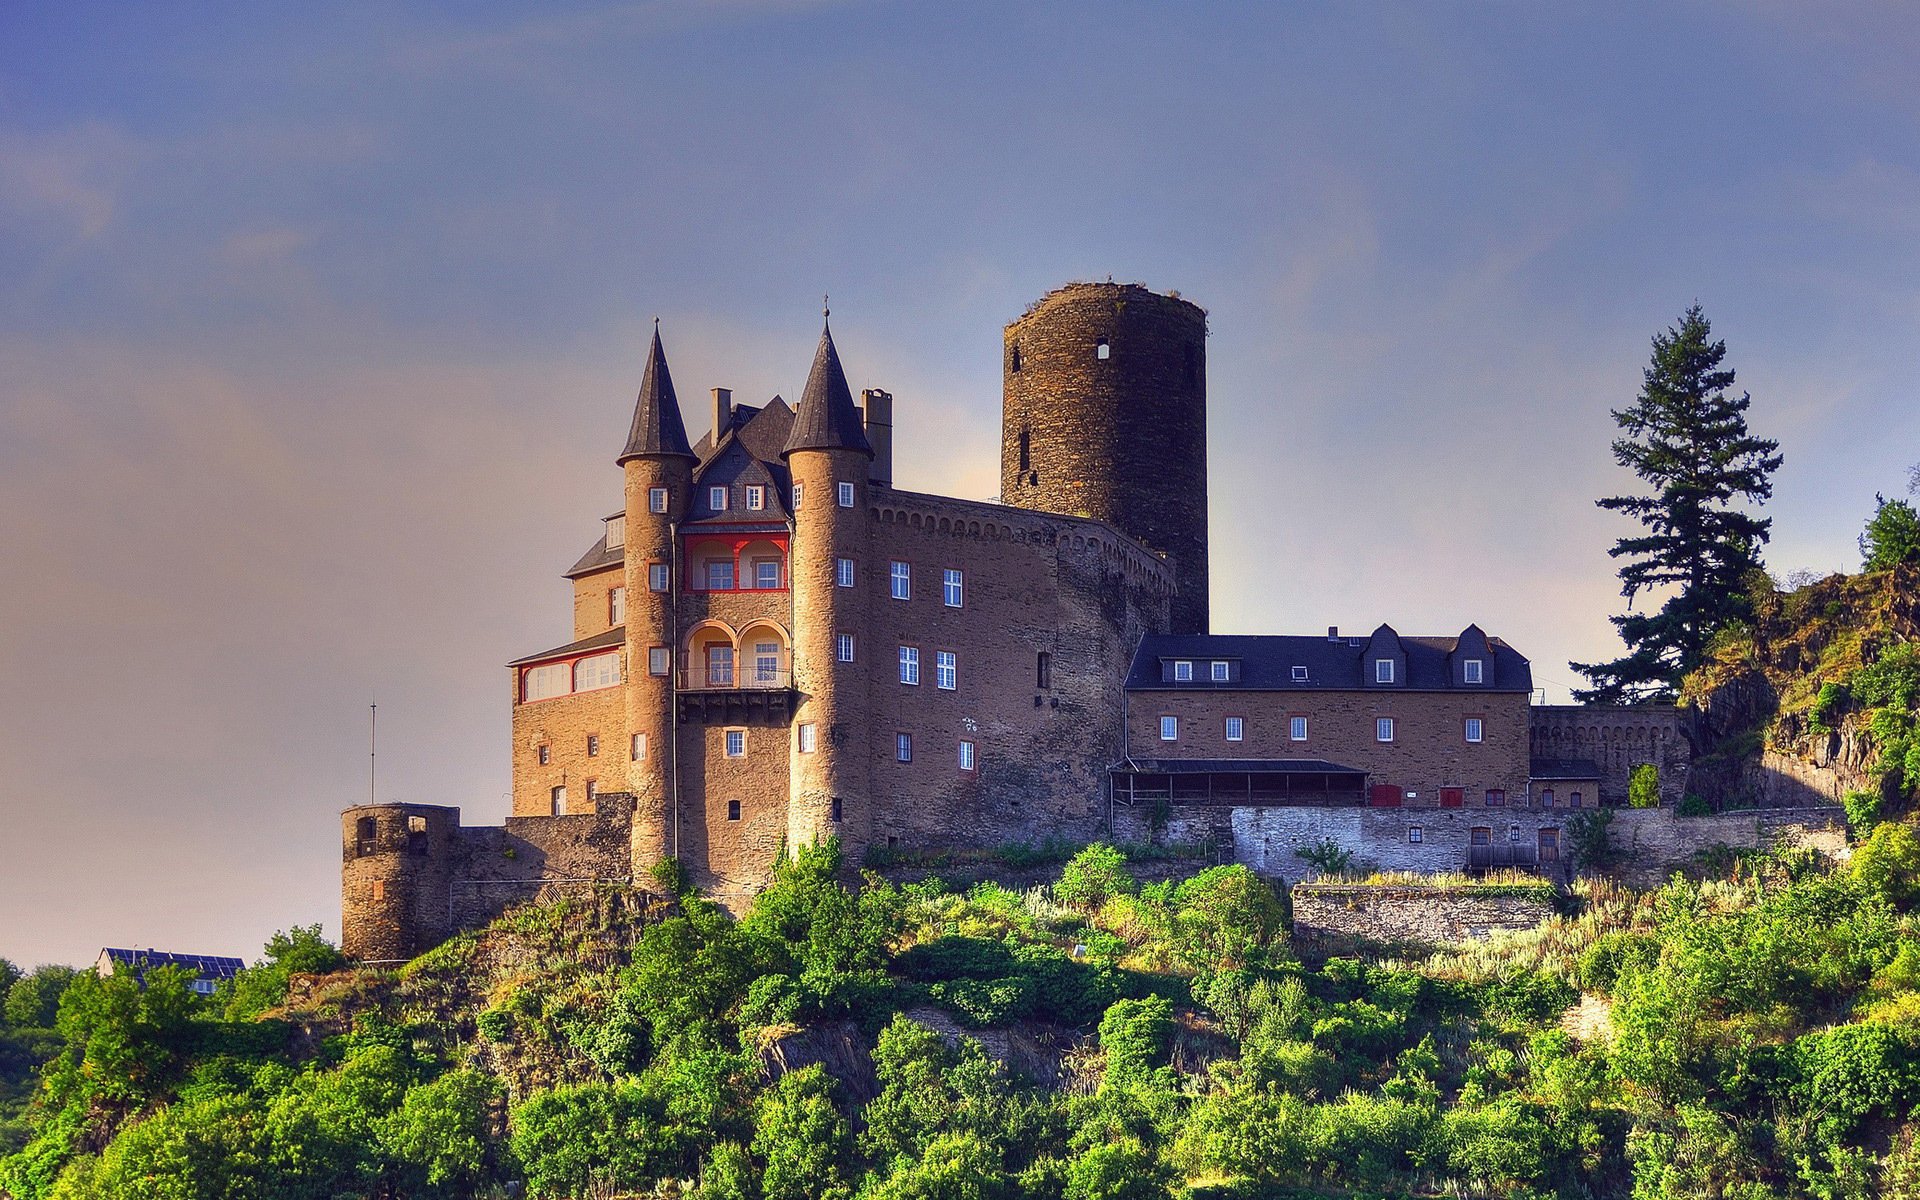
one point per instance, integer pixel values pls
(564, 725)
(1617, 739)
(1420, 916)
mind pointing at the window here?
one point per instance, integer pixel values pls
(719, 666)
(717, 499)
(557, 800)
(799, 489)
(736, 743)
(1513, 833)
(1016, 359)
(617, 606)
(843, 647)
(545, 754)
(836, 808)
(1415, 834)
(599, 671)
(616, 531)
(1182, 672)
(756, 497)
(809, 735)
(1573, 799)
(719, 575)
(1383, 670)
(1169, 729)
(593, 745)
(1236, 727)
(659, 660)
(766, 662)
(946, 670)
(899, 580)
(1546, 797)
(1480, 835)
(1383, 729)
(766, 574)
(593, 788)
(843, 572)
(952, 587)
(1496, 798)
(910, 665)
(966, 755)
(844, 492)
(638, 751)
(1299, 674)
(903, 747)
(1297, 729)
(539, 683)
(1101, 350)
(733, 810)
(1476, 729)
(657, 499)
(1043, 670)
(657, 576)
(1470, 670)
(1218, 672)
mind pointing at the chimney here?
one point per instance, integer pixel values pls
(1333, 633)
(879, 412)
(722, 413)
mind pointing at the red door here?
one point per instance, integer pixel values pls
(1452, 797)
(1386, 795)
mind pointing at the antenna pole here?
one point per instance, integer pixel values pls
(373, 745)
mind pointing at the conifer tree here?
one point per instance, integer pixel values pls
(1686, 436)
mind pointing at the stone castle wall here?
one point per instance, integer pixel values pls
(1429, 917)
(1617, 739)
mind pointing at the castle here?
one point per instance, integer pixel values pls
(774, 644)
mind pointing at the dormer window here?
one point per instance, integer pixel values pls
(616, 531)
(756, 497)
(1383, 670)
(717, 499)
(1470, 670)
(1299, 674)
(1183, 672)
(1219, 672)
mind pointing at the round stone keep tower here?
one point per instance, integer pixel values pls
(1105, 415)
(396, 879)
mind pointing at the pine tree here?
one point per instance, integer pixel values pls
(1687, 437)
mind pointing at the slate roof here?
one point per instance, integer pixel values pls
(617, 636)
(827, 419)
(1563, 768)
(1262, 766)
(657, 428)
(207, 966)
(1267, 662)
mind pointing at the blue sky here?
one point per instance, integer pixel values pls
(319, 327)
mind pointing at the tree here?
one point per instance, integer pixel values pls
(1686, 436)
(1892, 536)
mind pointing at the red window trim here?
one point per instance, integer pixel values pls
(571, 660)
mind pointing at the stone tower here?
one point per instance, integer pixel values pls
(659, 485)
(1105, 416)
(829, 457)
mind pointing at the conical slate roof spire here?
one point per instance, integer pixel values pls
(657, 428)
(827, 419)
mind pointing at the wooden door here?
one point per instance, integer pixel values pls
(1386, 795)
(1452, 797)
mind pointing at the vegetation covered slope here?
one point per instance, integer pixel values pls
(1091, 1039)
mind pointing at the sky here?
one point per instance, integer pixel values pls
(320, 327)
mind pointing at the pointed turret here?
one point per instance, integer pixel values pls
(827, 419)
(657, 429)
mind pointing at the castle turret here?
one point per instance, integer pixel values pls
(396, 879)
(659, 484)
(829, 457)
(1105, 416)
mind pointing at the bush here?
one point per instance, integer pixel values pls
(1863, 811)
(1827, 706)
(1643, 786)
(1092, 876)
(1892, 535)
(1589, 838)
(1326, 856)
(1692, 805)
(1888, 863)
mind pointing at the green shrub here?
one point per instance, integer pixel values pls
(1092, 876)
(1846, 1074)
(1326, 856)
(1887, 864)
(1827, 706)
(1863, 811)
(1892, 535)
(1643, 786)
(1692, 805)
(1589, 837)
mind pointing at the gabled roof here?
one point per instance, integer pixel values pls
(827, 419)
(1267, 662)
(657, 429)
(617, 636)
(207, 966)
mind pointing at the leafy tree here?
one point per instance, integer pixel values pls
(801, 1138)
(1892, 536)
(34, 1000)
(1091, 876)
(300, 950)
(1686, 436)
(1643, 786)
(442, 1135)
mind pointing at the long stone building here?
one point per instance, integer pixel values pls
(773, 643)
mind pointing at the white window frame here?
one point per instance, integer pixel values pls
(617, 606)
(717, 498)
(1296, 728)
(659, 660)
(843, 494)
(1471, 671)
(657, 499)
(659, 577)
(1182, 671)
(1169, 729)
(756, 496)
(600, 671)
(1475, 730)
(903, 747)
(946, 670)
(799, 490)
(735, 742)
(966, 755)
(1415, 834)
(843, 647)
(1383, 670)
(843, 572)
(546, 681)
(900, 580)
(910, 666)
(1236, 729)
(759, 567)
(1219, 672)
(721, 564)
(637, 747)
(616, 531)
(953, 587)
(1383, 729)
(1300, 675)
(808, 737)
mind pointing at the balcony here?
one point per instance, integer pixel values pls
(717, 692)
(1502, 856)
